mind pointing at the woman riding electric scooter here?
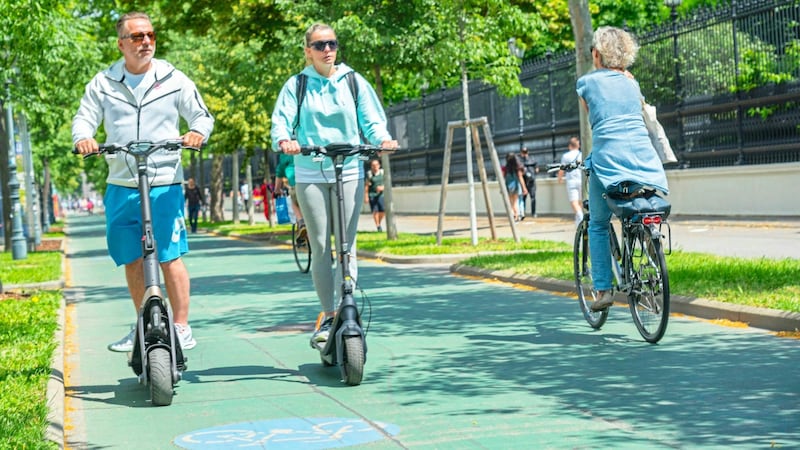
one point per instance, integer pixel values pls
(327, 103)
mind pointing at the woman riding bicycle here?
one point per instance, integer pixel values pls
(621, 148)
(328, 114)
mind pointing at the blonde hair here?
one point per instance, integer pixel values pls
(314, 28)
(130, 16)
(616, 47)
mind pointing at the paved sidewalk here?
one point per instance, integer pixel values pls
(453, 362)
(725, 237)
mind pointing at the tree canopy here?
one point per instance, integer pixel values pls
(241, 52)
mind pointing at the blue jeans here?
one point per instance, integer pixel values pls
(599, 249)
(194, 211)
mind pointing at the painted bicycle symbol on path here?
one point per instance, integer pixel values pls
(306, 433)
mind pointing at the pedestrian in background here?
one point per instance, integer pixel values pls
(515, 182)
(531, 167)
(374, 194)
(574, 181)
(194, 200)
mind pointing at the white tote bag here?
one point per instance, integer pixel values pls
(657, 135)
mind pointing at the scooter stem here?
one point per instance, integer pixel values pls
(149, 257)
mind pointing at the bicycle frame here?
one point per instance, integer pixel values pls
(622, 257)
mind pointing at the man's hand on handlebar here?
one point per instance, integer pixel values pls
(87, 146)
(193, 139)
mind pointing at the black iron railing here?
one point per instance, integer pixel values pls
(726, 83)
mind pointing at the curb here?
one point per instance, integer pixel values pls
(55, 385)
(763, 318)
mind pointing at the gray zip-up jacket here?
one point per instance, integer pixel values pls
(171, 96)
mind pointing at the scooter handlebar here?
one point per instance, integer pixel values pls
(343, 149)
(143, 147)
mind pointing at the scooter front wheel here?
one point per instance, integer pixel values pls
(160, 377)
(354, 360)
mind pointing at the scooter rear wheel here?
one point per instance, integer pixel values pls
(354, 360)
(160, 377)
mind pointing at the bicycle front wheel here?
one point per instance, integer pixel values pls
(649, 295)
(301, 248)
(582, 266)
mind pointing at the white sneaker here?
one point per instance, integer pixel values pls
(185, 336)
(125, 344)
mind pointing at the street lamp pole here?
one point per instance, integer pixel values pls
(518, 53)
(18, 248)
(549, 56)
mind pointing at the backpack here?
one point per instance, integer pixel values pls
(300, 95)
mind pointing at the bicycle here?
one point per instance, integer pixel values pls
(346, 345)
(300, 247)
(637, 259)
(157, 358)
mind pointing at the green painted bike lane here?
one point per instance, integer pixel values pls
(452, 362)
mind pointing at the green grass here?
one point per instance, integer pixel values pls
(413, 245)
(756, 282)
(759, 282)
(226, 228)
(36, 268)
(27, 325)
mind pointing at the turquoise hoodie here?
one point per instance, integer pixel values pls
(328, 115)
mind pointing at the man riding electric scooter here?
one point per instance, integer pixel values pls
(140, 97)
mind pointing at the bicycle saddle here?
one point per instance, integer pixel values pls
(639, 200)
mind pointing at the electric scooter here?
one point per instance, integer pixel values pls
(346, 346)
(157, 358)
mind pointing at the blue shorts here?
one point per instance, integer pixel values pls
(376, 204)
(124, 223)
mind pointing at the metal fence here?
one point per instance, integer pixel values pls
(726, 83)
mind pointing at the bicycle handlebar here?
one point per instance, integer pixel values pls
(343, 149)
(141, 148)
(552, 168)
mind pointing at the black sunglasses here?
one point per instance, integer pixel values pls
(320, 45)
(139, 37)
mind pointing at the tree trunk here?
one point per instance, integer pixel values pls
(47, 197)
(581, 20)
(267, 193)
(391, 222)
(217, 196)
(235, 187)
(248, 176)
(6, 190)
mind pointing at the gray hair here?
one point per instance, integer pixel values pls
(130, 16)
(617, 48)
(314, 28)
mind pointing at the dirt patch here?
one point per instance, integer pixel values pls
(49, 245)
(14, 296)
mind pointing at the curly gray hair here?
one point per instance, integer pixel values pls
(617, 48)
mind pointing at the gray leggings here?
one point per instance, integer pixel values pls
(319, 205)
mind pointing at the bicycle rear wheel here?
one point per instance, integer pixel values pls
(582, 266)
(649, 295)
(301, 248)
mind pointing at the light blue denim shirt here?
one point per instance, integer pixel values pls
(621, 147)
(328, 115)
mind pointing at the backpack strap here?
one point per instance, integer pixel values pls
(299, 94)
(351, 81)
